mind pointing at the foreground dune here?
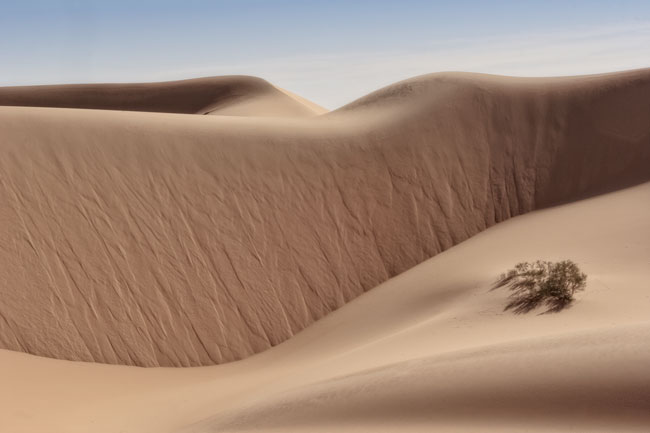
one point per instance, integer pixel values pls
(429, 350)
(158, 239)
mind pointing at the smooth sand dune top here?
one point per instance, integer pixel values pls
(167, 240)
(429, 350)
(228, 95)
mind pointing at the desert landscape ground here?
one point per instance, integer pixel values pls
(219, 254)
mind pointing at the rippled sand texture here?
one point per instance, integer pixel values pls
(165, 238)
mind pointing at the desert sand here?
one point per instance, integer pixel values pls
(345, 259)
(228, 95)
(429, 348)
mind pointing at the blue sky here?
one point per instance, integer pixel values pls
(329, 51)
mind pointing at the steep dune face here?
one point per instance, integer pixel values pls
(157, 239)
(425, 349)
(228, 95)
(415, 354)
(577, 129)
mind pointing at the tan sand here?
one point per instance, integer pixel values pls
(317, 109)
(228, 95)
(158, 239)
(429, 350)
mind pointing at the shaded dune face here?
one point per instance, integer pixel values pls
(162, 240)
(197, 96)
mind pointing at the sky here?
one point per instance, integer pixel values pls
(331, 52)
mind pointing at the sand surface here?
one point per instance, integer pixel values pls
(157, 239)
(227, 95)
(136, 231)
(429, 350)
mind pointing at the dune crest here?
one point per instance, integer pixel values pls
(163, 240)
(228, 95)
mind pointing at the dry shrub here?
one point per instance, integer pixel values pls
(542, 283)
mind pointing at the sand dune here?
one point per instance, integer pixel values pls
(156, 239)
(545, 384)
(229, 95)
(429, 350)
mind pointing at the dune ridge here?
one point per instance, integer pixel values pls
(227, 95)
(164, 240)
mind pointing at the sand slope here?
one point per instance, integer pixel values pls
(159, 239)
(228, 95)
(429, 350)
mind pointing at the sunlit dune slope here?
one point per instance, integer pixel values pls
(159, 239)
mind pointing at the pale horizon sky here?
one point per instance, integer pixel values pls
(329, 52)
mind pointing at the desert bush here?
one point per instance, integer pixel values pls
(542, 283)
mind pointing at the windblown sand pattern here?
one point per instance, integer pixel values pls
(134, 231)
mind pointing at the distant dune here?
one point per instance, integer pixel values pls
(228, 95)
(156, 239)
